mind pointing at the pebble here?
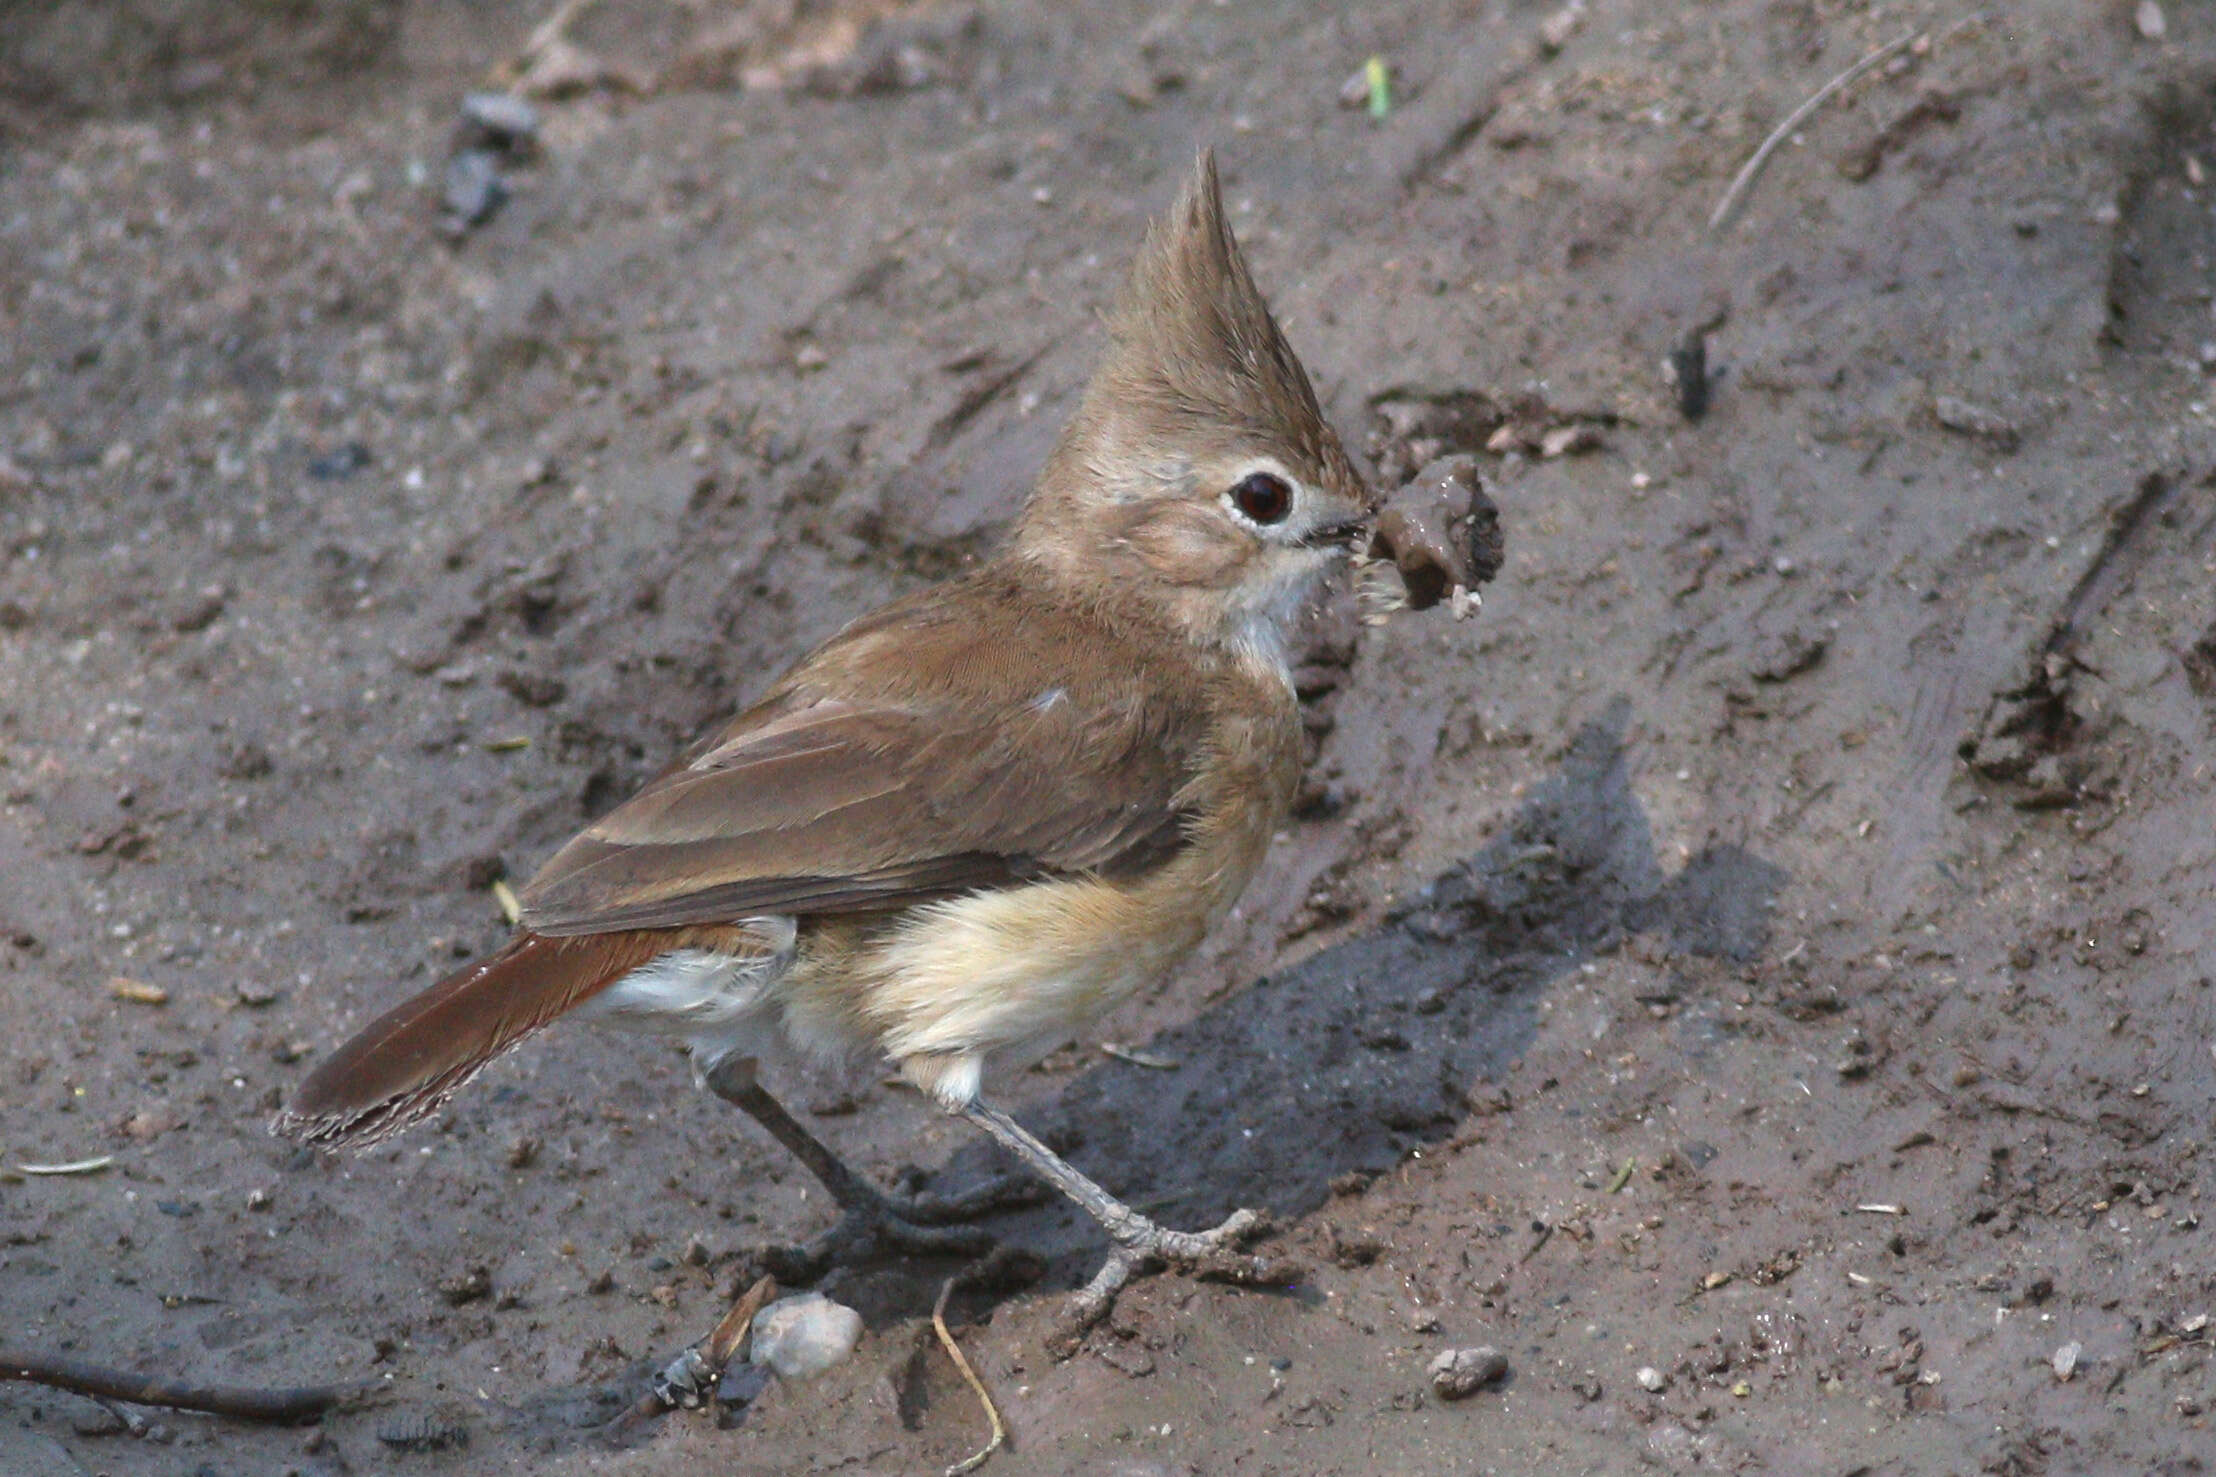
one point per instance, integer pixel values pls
(1557, 29)
(138, 992)
(506, 122)
(2150, 21)
(1652, 1380)
(340, 463)
(1456, 1373)
(2066, 1359)
(474, 189)
(803, 1336)
(1571, 440)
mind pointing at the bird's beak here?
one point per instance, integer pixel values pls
(1340, 533)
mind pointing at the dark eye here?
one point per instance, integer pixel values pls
(1263, 498)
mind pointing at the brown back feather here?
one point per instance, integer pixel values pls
(914, 756)
(402, 1066)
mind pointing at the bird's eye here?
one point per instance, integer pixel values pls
(1263, 498)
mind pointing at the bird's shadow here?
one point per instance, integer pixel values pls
(1382, 1044)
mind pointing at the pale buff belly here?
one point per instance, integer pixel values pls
(1007, 976)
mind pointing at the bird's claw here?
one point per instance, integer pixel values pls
(1212, 1256)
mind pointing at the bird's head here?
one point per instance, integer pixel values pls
(1198, 471)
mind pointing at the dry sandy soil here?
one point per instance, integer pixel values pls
(1771, 947)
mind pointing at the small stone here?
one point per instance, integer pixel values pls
(505, 121)
(808, 358)
(803, 1336)
(138, 992)
(474, 189)
(1652, 1380)
(147, 1125)
(522, 1152)
(1571, 440)
(1557, 29)
(2066, 1358)
(2150, 20)
(339, 463)
(1456, 1373)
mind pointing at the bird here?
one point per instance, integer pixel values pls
(978, 818)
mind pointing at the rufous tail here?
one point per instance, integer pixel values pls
(397, 1070)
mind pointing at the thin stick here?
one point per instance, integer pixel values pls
(961, 1362)
(551, 30)
(731, 1331)
(245, 1403)
(1744, 180)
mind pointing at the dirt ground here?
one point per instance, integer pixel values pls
(1766, 957)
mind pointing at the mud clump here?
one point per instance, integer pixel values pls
(1440, 531)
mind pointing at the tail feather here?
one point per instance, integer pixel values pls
(398, 1070)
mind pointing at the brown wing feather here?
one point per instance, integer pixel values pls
(915, 756)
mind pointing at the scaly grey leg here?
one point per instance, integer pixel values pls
(1140, 1243)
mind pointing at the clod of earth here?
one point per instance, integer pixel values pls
(1456, 1373)
(1440, 531)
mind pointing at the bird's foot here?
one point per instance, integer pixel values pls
(1142, 1246)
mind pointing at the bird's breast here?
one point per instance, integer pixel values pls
(1016, 971)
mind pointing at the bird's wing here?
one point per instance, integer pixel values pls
(824, 799)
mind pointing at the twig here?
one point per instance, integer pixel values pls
(1744, 180)
(244, 1403)
(550, 30)
(731, 1330)
(74, 1166)
(961, 1362)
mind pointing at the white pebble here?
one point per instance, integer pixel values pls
(1456, 1373)
(2066, 1359)
(803, 1336)
(1651, 1379)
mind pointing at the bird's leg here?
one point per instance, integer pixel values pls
(871, 1221)
(1140, 1243)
